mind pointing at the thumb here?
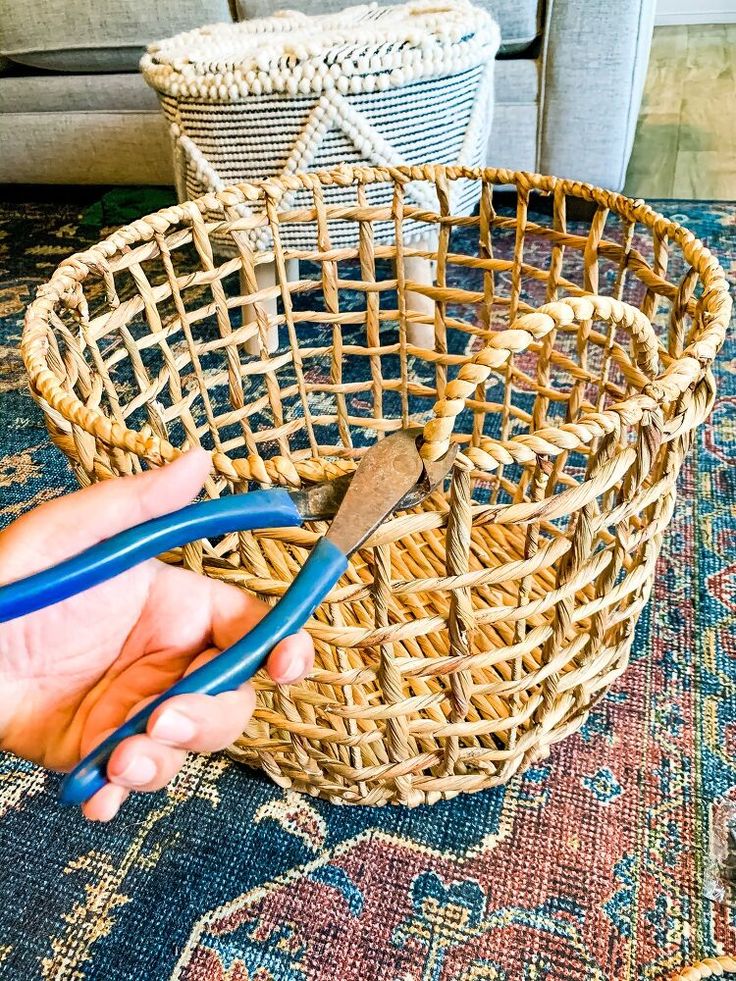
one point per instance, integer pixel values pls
(65, 526)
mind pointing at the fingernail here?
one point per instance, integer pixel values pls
(110, 804)
(295, 670)
(173, 727)
(138, 772)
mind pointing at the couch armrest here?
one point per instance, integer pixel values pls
(594, 64)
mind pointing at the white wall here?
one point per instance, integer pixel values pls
(696, 12)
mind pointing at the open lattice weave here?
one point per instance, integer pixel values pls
(470, 634)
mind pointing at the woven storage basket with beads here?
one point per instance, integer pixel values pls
(369, 85)
(571, 364)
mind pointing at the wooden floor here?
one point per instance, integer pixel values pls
(685, 144)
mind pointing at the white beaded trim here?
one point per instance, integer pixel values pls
(245, 125)
(360, 50)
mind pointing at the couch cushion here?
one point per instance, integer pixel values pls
(519, 20)
(89, 36)
(516, 80)
(85, 148)
(45, 119)
(76, 93)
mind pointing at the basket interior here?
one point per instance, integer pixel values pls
(171, 355)
(159, 345)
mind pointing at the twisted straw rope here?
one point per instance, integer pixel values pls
(709, 967)
(550, 441)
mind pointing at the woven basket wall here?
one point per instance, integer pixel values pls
(571, 363)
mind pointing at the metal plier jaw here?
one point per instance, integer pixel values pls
(392, 476)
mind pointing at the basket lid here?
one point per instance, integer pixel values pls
(361, 49)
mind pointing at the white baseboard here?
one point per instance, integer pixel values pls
(696, 12)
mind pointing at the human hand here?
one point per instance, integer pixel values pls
(72, 673)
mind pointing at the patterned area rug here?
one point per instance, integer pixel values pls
(590, 866)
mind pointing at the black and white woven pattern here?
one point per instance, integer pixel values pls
(381, 86)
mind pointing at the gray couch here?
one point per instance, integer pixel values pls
(73, 108)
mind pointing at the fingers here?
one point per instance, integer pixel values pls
(233, 613)
(217, 615)
(106, 803)
(292, 659)
(197, 723)
(142, 763)
(63, 526)
(203, 723)
(200, 723)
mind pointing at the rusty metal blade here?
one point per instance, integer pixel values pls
(391, 477)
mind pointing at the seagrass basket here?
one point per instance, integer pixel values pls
(571, 362)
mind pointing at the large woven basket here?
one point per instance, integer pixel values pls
(571, 363)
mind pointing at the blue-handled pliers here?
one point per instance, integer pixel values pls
(391, 476)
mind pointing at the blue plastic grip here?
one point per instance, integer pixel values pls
(230, 669)
(205, 519)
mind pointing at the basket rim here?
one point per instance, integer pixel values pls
(66, 280)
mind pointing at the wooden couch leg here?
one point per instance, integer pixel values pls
(420, 271)
(265, 277)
